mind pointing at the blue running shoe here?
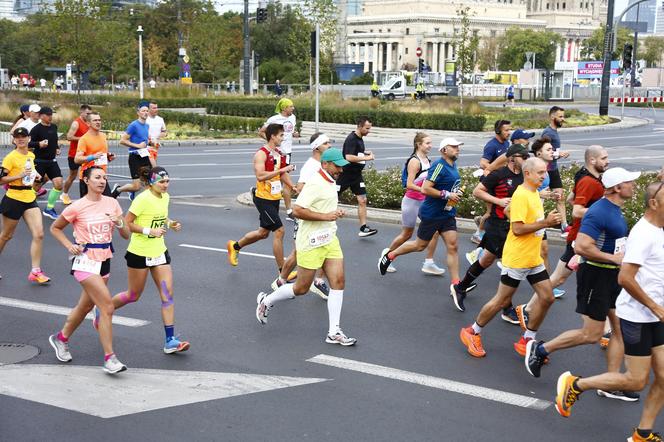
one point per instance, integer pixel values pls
(558, 293)
(50, 213)
(132, 195)
(175, 345)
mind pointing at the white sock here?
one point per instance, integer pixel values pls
(289, 211)
(530, 334)
(428, 261)
(334, 301)
(476, 328)
(281, 294)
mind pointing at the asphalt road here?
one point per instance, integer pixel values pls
(406, 326)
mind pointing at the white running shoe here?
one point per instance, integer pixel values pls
(391, 269)
(473, 256)
(341, 339)
(262, 309)
(113, 365)
(61, 349)
(432, 269)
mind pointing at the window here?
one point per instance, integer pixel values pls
(389, 30)
(493, 32)
(407, 31)
(397, 85)
(547, 6)
(380, 30)
(436, 30)
(406, 51)
(563, 5)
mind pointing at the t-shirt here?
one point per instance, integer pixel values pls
(92, 225)
(40, 133)
(309, 169)
(605, 223)
(545, 184)
(151, 212)
(353, 145)
(419, 179)
(28, 124)
(90, 144)
(444, 176)
(501, 183)
(289, 127)
(82, 129)
(555, 142)
(645, 247)
(523, 252)
(155, 125)
(14, 163)
(138, 133)
(494, 148)
(319, 195)
(587, 191)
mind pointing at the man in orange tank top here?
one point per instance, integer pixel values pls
(77, 129)
(271, 175)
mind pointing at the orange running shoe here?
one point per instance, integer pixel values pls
(604, 340)
(652, 437)
(520, 346)
(232, 253)
(472, 341)
(39, 277)
(522, 314)
(566, 395)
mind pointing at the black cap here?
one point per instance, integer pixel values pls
(46, 111)
(516, 149)
(20, 132)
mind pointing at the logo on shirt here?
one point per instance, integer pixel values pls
(288, 126)
(100, 231)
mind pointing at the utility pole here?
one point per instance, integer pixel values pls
(632, 77)
(247, 51)
(606, 69)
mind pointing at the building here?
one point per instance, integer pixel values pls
(386, 34)
(646, 12)
(19, 9)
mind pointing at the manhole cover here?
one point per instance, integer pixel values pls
(12, 353)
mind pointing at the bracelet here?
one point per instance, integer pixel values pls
(146, 231)
(444, 194)
(90, 158)
(121, 225)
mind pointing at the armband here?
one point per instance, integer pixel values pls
(121, 225)
(444, 194)
(90, 158)
(146, 231)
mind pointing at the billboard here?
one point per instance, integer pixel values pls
(593, 69)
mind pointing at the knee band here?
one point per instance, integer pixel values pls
(128, 297)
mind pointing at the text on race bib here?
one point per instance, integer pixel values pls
(159, 260)
(321, 237)
(84, 264)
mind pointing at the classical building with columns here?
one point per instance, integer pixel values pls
(386, 33)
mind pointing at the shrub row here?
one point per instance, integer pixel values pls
(221, 123)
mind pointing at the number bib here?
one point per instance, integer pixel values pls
(159, 260)
(620, 245)
(102, 160)
(84, 264)
(145, 152)
(275, 187)
(321, 237)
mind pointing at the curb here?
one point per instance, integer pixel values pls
(389, 216)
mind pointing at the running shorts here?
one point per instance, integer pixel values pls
(641, 338)
(139, 262)
(556, 182)
(72, 164)
(268, 213)
(313, 259)
(512, 277)
(14, 209)
(597, 289)
(409, 209)
(135, 163)
(567, 254)
(495, 235)
(104, 272)
(354, 180)
(429, 227)
(48, 169)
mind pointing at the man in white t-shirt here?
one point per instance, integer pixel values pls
(156, 130)
(284, 116)
(640, 307)
(31, 122)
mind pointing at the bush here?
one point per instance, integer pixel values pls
(217, 123)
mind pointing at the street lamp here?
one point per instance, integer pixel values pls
(140, 60)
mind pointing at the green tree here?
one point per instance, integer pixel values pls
(216, 45)
(487, 54)
(516, 42)
(652, 52)
(466, 43)
(593, 48)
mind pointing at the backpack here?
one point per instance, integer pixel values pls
(404, 173)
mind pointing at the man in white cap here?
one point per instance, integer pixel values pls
(601, 245)
(437, 213)
(31, 122)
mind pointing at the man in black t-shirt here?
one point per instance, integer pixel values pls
(352, 175)
(44, 141)
(497, 189)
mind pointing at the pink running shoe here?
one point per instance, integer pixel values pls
(39, 277)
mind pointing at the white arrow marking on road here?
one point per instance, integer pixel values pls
(64, 311)
(214, 249)
(91, 391)
(433, 382)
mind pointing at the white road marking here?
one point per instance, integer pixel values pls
(433, 382)
(214, 249)
(91, 391)
(212, 178)
(188, 203)
(64, 311)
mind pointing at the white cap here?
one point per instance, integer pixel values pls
(34, 108)
(449, 141)
(617, 175)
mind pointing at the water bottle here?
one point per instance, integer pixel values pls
(27, 180)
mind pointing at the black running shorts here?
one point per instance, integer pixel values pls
(268, 213)
(14, 209)
(48, 169)
(641, 338)
(596, 291)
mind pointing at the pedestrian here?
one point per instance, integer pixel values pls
(152, 83)
(509, 95)
(556, 121)
(92, 151)
(156, 130)
(375, 90)
(94, 218)
(44, 141)
(77, 129)
(42, 84)
(228, 86)
(135, 137)
(278, 90)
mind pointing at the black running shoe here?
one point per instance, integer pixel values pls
(458, 296)
(366, 231)
(114, 193)
(532, 359)
(384, 262)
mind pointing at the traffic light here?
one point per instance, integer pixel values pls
(627, 56)
(420, 65)
(257, 58)
(261, 15)
(313, 44)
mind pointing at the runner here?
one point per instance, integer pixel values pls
(24, 115)
(44, 141)
(93, 218)
(443, 191)
(284, 116)
(496, 189)
(640, 307)
(18, 170)
(601, 243)
(557, 119)
(521, 260)
(352, 175)
(135, 137)
(156, 130)
(413, 176)
(77, 129)
(147, 253)
(317, 246)
(93, 151)
(270, 169)
(33, 118)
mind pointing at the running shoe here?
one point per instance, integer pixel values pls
(458, 296)
(566, 395)
(478, 220)
(384, 261)
(65, 199)
(476, 238)
(520, 346)
(366, 231)
(534, 361)
(652, 437)
(472, 341)
(473, 255)
(604, 340)
(470, 288)
(391, 269)
(39, 277)
(627, 396)
(510, 316)
(564, 231)
(292, 276)
(61, 349)
(291, 217)
(41, 192)
(175, 345)
(320, 288)
(262, 309)
(522, 316)
(232, 253)
(558, 293)
(113, 365)
(277, 283)
(340, 338)
(95, 317)
(115, 193)
(50, 213)
(132, 195)
(432, 269)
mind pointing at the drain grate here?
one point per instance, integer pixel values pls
(11, 353)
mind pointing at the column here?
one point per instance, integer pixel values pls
(381, 57)
(350, 56)
(397, 56)
(388, 56)
(434, 60)
(376, 68)
(366, 56)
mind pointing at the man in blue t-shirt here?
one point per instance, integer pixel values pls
(135, 137)
(443, 191)
(556, 121)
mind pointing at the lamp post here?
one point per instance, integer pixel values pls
(140, 60)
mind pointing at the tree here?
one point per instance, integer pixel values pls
(216, 44)
(516, 42)
(487, 56)
(466, 42)
(593, 48)
(653, 50)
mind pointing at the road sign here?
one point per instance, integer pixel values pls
(418, 52)
(527, 66)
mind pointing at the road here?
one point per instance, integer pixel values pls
(408, 378)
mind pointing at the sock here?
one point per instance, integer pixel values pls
(281, 294)
(575, 386)
(108, 356)
(532, 334)
(476, 328)
(334, 301)
(236, 245)
(170, 331)
(428, 261)
(541, 351)
(319, 280)
(62, 337)
(472, 274)
(644, 433)
(391, 256)
(53, 196)
(36, 270)
(455, 281)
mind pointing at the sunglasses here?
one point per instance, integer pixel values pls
(525, 156)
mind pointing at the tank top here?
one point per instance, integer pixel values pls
(419, 179)
(271, 189)
(82, 129)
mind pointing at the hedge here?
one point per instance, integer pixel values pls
(222, 123)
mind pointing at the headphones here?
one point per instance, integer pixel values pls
(498, 125)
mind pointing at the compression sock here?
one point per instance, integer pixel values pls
(472, 274)
(170, 332)
(53, 196)
(334, 301)
(281, 294)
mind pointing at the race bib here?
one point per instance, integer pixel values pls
(540, 232)
(361, 154)
(620, 245)
(102, 160)
(321, 237)
(275, 187)
(159, 260)
(84, 264)
(145, 152)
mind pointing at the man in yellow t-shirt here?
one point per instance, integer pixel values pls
(521, 260)
(92, 150)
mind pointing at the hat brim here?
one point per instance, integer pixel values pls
(340, 162)
(453, 145)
